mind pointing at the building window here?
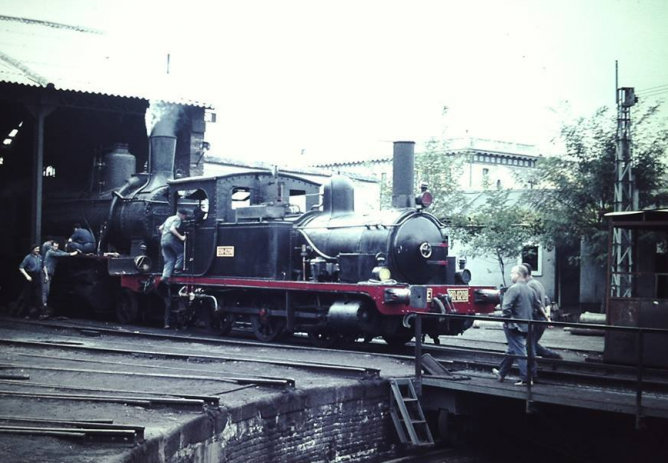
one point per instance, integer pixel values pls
(533, 255)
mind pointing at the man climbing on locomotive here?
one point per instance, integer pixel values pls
(81, 240)
(171, 243)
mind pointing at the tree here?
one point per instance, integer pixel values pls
(573, 192)
(500, 227)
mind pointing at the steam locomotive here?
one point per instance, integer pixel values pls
(271, 250)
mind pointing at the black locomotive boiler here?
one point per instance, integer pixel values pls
(286, 254)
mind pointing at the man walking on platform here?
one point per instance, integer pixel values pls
(518, 302)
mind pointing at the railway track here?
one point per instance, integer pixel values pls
(56, 376)
(474, 355)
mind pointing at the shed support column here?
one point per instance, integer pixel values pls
(39, 112)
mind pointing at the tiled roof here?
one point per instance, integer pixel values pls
(38, 53)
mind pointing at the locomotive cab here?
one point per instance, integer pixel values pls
(240, 224)
(198, 197)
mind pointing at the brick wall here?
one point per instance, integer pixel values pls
(329, 424)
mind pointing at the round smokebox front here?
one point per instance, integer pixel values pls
(416, 243)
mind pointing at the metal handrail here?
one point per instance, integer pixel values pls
(640, 332)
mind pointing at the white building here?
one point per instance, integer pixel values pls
(487, 162)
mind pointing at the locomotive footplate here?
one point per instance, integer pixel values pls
(397, 299)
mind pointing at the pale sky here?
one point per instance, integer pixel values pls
(342, 79)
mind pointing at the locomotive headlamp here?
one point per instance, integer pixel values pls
(463, 276)
(381, 273)
(142, 263)
(424, 199)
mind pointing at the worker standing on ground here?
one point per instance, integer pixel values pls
(50, 262)
(31, 268)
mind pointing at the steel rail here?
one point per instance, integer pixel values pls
(138, 430)
(259, 381)
(209, 400)
(190, 338)
(73, 433)
(301, 365)
(108, 398)
(110, 434)
(142, 401)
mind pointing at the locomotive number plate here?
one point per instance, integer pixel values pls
(459, 295)
(430, 294)
(224, 251)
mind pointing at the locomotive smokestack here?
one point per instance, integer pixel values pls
(162, 150)
(403, 171)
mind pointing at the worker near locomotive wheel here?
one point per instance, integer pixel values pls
(31, 268)
(171, 243)
(81, 240)
(519, 302)
(50, 262)
(540, 315)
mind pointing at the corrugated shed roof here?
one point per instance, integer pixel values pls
(38, 53)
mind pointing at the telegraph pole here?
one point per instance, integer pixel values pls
(625, 197)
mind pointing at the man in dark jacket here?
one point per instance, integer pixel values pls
(518, 302)
(81, 240)
(31, 268)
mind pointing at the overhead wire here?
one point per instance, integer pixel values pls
(651, 94)
(656, 87)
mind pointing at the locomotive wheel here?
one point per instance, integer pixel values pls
(223, 322)
(323, 338)
(267, 328)
(127, 306)
(397, 339)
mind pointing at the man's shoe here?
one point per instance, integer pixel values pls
(496, 373)
(522, 383)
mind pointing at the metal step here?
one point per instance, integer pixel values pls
(407, 414)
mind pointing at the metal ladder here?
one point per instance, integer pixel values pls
(407, 414)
